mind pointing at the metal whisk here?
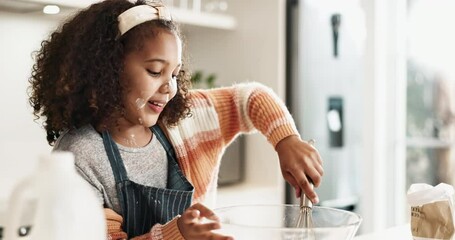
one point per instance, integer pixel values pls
(306, 207)
(305, 219)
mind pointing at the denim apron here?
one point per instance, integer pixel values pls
(144, 206)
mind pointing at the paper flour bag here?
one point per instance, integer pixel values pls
(431, 211)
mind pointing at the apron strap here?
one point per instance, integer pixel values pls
(161, 136)
(113, 154)
(175, 177)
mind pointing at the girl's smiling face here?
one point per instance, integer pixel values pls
(150, 78)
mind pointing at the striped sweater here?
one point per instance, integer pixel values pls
(218, 116)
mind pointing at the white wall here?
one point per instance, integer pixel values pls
(21, 139)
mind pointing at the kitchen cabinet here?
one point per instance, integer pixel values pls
(183, 16)
(202, 19)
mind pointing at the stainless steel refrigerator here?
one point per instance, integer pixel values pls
(324, 73)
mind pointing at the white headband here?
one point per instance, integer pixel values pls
(139, 14)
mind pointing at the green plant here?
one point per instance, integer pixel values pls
(199, 79)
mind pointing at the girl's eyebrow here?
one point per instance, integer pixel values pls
(161, 61)
(156, 60)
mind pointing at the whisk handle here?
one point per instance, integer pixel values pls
(304, 200)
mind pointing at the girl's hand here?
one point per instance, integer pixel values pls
(191, 225)
(300, 163)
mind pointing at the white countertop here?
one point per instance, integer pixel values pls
(402, 232)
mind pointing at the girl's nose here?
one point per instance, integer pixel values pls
(169, 86)
(166, 87)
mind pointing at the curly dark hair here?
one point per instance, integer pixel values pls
(75, 79)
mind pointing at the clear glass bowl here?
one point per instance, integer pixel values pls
(278, 222)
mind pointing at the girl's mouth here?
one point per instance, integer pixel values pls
(158, 104)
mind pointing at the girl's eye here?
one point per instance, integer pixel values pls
(153, 74)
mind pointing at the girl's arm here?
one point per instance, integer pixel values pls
(252, 106)
(249, 106)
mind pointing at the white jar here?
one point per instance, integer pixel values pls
(61, 204)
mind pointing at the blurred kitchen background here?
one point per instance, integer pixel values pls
(371, 81)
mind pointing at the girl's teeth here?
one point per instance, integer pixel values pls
(157, 104)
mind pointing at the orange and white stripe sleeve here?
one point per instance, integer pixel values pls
(248, 106)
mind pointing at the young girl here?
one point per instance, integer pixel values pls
(111, 88)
